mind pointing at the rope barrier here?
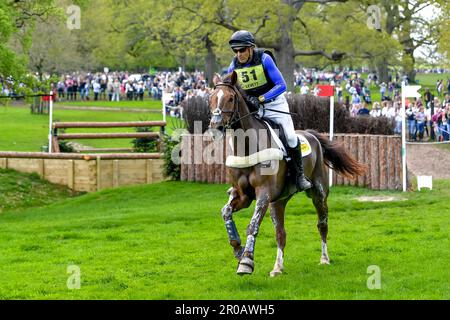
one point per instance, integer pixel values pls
(423, 143)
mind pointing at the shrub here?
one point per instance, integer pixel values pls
(312, 112)
(65, 146)
(309, 112)
(170, 170)
(171, 144)
(145, 144)
(196, 109)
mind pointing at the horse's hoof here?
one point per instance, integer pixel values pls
(324, 260)
(246, 266)
(275, 273)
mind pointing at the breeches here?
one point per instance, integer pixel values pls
(283, 119)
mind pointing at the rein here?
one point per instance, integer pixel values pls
(235, 112)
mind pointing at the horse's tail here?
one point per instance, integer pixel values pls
(337, 158)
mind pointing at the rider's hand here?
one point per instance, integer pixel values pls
(254, 101)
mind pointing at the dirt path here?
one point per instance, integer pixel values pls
(428, 160)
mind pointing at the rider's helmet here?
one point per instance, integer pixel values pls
(242, 38)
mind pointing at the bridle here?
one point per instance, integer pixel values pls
(235, 117)
(235, 113)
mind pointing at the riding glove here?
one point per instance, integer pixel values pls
(253, 101)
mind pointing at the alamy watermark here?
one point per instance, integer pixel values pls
(374, 280)
(73, 17)
(374, 17)
(209, 147)
(74, 280)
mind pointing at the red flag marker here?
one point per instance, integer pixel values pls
(328, 91)
(325, 91)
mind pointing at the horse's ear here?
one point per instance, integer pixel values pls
(217, 78)
(233, 78)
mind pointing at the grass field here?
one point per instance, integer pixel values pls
(22, 131)
(18, 190)
(168, 241)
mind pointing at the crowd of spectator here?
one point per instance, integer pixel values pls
(118, 86)
(427, 116)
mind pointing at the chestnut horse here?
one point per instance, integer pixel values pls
(230, 111)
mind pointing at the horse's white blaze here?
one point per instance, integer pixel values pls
(220, 95)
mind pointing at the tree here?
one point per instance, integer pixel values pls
(120, 35)
(444, 39)
(402, 21)
(344, 28)
(18, 20)
(273, 27)
(55, 48)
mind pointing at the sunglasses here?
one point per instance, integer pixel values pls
(241, 50)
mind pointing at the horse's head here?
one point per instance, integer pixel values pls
(223, 102)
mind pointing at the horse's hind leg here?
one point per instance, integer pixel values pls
(235, 203)
(319, 194)
(277, 210)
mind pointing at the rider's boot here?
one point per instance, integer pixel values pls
(297, 165)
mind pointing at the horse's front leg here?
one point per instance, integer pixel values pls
(235, 203)
(246, 264)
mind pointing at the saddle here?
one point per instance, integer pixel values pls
(276, 129)
(278, 152)
(280, 138)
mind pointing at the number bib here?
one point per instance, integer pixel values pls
(251, 77)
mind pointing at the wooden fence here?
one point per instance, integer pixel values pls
(382, 155)
(57, 135)
(88, 172)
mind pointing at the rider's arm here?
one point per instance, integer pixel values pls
(276, 77)
(231, 67)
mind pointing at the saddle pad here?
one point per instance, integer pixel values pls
(306, 147)
(254, 159)
(265, 155)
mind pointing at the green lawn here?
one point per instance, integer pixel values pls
(22, 131)
(19, 190)
(168, 241)
(445, 146)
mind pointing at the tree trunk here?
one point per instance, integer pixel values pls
(383, 71)
(409, 63)
(391, 15)
(210, 62)
(408, 59)
(285, 53)
(286, 61)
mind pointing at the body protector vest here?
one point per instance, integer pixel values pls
(252, 76)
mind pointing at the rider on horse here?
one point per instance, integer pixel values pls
(264, 85)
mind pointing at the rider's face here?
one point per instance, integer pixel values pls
(243, 54)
